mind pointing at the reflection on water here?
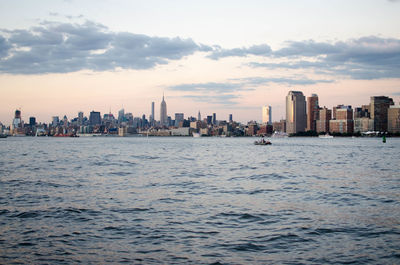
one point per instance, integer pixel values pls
(199, 200)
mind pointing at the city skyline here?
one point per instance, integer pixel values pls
(62, 57)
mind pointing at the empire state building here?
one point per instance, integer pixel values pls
(163, 113)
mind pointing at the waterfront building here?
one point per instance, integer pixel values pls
(266, 115)
(295, 112)
(363, 124)
(94, 118)
(32, 122)
(163, 113)
(55, 121)
(394, 119)
(121, 115)
(322, 124)
(80, 118)
(279, 126)
(344, 121)
(312, 112)
(209, 119)
(179, 117)
(379, 112)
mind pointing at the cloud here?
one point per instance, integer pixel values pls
(364, 58)
(207, 87)
(55, 47)
(259, 50)
(283, 80)
(225, 99)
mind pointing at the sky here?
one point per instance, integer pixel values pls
(59, 57)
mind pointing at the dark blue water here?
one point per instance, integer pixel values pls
(199, 201)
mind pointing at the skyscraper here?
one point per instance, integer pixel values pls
(312, 112)
(295, 112)
(94, 118)
(379, 112)
(163, 113)
(152, 113)
(121, 115)
(199, 116)
(230, 118)
(266, 115)
(178, 118)
(214, 119)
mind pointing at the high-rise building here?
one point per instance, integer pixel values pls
(209, 119)
(379, 112)
(322, 124)
(55, 121)
(94, 118)
(312, 112)
(214, 119)
(121, 115)
(152, 114)
(80, 118)
(163, 113)
(394, 119)
(266, 115)
(32, 121)
(199, 116)
(343, 122)
(295, 112)
(230, 118)
(17, 122)
(179, 117)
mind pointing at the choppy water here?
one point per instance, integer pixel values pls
(199, 201)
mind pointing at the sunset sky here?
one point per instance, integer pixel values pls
(61, 57)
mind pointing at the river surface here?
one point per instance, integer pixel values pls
(96, 200)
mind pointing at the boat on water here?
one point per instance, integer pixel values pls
(196, 135)
(325, 136)
(262, 142)
(3, 135)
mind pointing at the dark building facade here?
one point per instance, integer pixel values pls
(379, 112)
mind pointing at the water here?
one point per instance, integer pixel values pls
(199, 201)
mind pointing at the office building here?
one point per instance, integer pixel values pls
(209, 119)
(394, 119)
(344, 122)
(163, 113)
(312, 112)
(379, 112)
(266, 115)
(179, 117)
(322, 124)
(214, 119)
(94, 118)
(295, 112)
(152, 114)
(32, 121)
(230, 118)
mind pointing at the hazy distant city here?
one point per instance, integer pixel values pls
(304, 116)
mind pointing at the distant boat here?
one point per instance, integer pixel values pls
(325, 136)
(196, 135)
(3, 135)
(262, 142)
(277, 134)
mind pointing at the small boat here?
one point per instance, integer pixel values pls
(3, 135)
(262, 142)
(325, 136)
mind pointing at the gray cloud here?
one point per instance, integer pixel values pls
(363, 58)
(65, 47)
(225, 99)
(260, 50)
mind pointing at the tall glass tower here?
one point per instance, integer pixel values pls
(296, 117)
